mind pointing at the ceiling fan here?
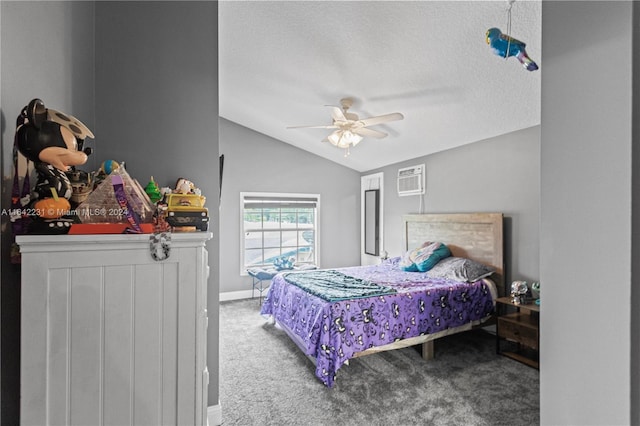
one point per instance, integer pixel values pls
(350, 129)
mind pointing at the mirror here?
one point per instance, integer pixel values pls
(371, 222)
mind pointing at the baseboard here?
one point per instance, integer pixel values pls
(214, 415)
(237, 295)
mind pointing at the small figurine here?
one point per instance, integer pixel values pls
(184, 186)
(153, 191)
(106, 168)
(109, 166)
(81, 186)
(518, 292)
(535, 292)
(506, 46)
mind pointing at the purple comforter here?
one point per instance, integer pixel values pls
(333, 332)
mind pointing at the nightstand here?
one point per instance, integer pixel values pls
(518, 331)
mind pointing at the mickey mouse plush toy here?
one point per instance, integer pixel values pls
(53, 141)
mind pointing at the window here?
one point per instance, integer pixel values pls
(278, 225)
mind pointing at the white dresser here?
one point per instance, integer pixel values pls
(109, 335)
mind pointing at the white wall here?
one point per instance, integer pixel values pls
(585, 226)
(500, 174)
(257, 163)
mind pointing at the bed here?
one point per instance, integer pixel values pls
(339, 314)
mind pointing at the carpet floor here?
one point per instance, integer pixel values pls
(266, 380)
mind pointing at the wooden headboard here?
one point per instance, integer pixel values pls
(476, 236)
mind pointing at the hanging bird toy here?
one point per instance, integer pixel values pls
(505, 46)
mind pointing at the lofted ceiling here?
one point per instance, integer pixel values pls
(282, 62)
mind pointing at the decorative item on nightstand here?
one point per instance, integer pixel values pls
(535, 292)
(518, 292)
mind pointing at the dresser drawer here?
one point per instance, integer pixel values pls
(518, 331)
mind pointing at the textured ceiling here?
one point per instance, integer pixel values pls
(281, 63)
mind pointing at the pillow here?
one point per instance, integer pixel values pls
(282, 263)
(407, 262)
(460, 269)
(430, 255)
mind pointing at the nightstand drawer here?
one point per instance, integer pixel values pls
(519, 332)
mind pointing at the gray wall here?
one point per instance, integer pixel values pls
(500, 174)
(47, 52)
(143, 77)
(257, 163)
(156, 90)
(635, 225)
(157, 108)
(585, 226)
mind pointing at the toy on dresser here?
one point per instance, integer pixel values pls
(118, 204)
(54, 142)
(184, 207)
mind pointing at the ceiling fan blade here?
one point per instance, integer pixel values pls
(369, 133)
(381, 119)
(330, 126)
(337, 114)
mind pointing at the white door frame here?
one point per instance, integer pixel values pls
(372, 181)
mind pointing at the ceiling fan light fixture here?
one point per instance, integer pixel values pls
(350, 138)
(335, 138)
(344, 138)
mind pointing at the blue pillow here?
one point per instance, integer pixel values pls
(431, 255)
(407, 262)
(283, 263)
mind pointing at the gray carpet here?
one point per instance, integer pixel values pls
(266, 380)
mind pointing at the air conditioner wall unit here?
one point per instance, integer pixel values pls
(411, 180)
